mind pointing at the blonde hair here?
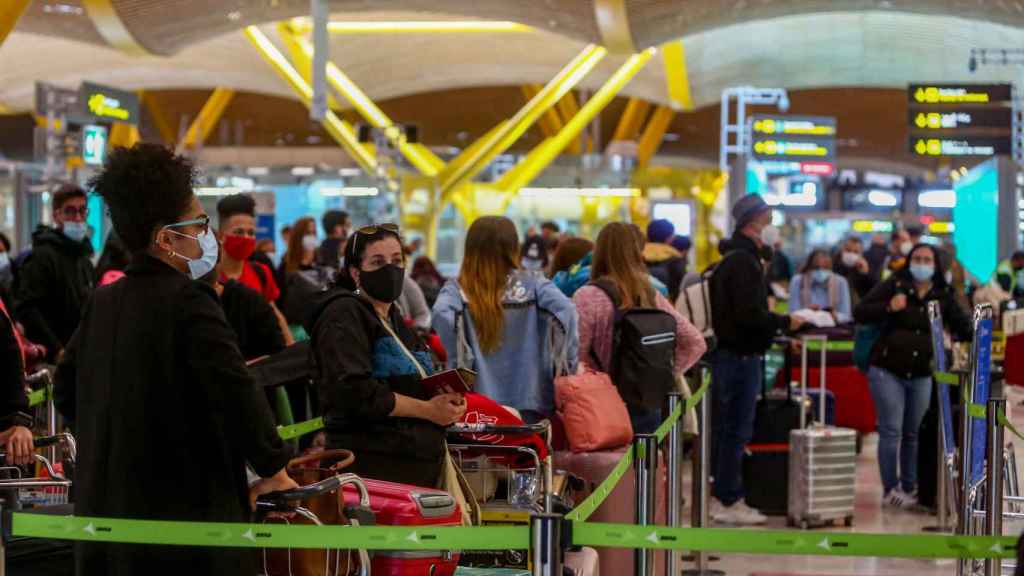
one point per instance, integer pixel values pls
(619, 257)
(492, 252)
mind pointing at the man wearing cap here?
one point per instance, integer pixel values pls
(663, 260)
(745, 329)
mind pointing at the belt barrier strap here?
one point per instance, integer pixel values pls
(269, 535)
(792, 542)
(947, 378)
(691, 402)
(830, 346)
(300, 429)
(1005, 423)
(586, 508)
(38, 397)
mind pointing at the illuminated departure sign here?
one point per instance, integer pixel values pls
(989, 117)
(94, 144)
(802, 149)
(959, 93)
(961, 146)
(108, 104)
(798, 126)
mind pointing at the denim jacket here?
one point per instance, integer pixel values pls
(539, 342)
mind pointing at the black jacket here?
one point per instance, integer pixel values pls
(53, 286)
(904, 347)
(252, 319)
(860, 282)
(13, 400)
(739, 301)
(359, 370)
(166, 418)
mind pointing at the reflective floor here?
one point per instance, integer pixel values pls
(870, 517)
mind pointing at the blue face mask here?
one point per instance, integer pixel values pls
(76, 231)
(820, 276)
(922, 272)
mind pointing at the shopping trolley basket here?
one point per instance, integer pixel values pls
(49, 492)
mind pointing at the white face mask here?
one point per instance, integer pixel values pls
(5, 260)
(850, 259)
(770, 235)
(199, 267)
(309, 242)
(76, 231)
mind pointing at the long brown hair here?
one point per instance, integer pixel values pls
(492, 251)
(293, 259)
(569, 252)
(619, 257)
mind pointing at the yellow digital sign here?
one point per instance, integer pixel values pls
(779, 148)
(103, 103)
(959, 93)
(821, 126)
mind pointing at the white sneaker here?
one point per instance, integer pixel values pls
(739, 514)
(897, 498)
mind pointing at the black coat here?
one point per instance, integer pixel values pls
(166, 417)
(252, 319)
(739, 301)
(351, 349)
(13, 400)
(904, 347)
(54, 283)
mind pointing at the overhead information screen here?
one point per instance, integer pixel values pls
(962, 146)
(959, 93)
(961, 118)
(793, 138)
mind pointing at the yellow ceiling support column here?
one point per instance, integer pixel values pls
(653, 134)
(632, 119)
(677, 80)
(289, 34)
(546, 152)
(417, 154)
(10, 15)
(207, 118)
(567, 108)
(613, 24)
(123, 135)
(470, 164)
(340, 130)
(168, 135)
(550, 122)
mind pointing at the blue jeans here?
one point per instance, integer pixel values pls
(901, 405)
(736, 383)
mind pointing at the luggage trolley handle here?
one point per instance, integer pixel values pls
(288, 499)
(525, 429)
(46, 441)
(823, 340)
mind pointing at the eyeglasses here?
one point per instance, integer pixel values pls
(371, 230)
(203, 222)
(71, 211)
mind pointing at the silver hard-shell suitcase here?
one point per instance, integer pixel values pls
(822, 463)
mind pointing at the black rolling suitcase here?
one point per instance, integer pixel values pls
(766, 462)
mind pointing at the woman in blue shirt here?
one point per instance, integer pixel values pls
(818, 288)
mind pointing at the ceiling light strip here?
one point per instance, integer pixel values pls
(110, 26)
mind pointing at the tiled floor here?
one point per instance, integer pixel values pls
(869, 518)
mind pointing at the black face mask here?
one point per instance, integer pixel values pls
(383, 284)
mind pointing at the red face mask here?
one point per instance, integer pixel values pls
(239, 247)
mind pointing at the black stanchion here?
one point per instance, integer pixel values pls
(645, 462)
(546, 544)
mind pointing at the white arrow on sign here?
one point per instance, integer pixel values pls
(413, 537)
(90, 529)
(653, 538)
(249, 535)
(824, 544)
(997, 548)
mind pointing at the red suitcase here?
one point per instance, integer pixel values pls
(619, 507)
(404, 505)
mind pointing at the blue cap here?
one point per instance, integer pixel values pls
(660, 231)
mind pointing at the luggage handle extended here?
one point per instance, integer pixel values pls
(823, 339)
(479, 428)
(288, 499)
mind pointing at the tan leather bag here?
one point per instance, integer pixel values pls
(326, 509)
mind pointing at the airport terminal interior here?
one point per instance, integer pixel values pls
(548, 275)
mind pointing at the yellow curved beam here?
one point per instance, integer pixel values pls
(10, 15)
(339, 129)
(613, 23)
(208, 117)
(540, 157)
(110, 26)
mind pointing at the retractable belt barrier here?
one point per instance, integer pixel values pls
(722, 540)
(734, 540)
(37, 397)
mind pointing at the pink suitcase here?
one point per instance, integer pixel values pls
(405, 505)
(619, 507)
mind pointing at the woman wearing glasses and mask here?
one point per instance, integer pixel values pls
(157, 392)
(371, 365)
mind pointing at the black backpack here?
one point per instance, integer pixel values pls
(643, 352)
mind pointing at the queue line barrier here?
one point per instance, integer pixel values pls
(546, 533)
(724, 540)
